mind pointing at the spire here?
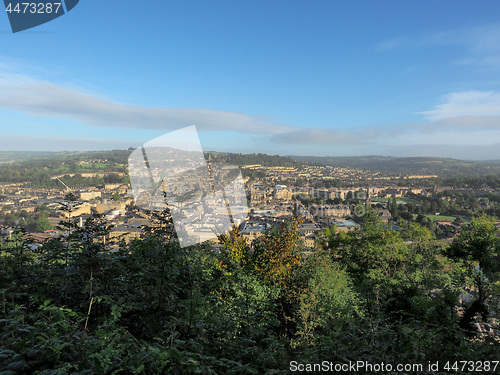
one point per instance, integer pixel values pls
(368, 199)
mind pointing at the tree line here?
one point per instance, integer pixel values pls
(81, 305)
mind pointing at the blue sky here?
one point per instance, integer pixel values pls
(279, 77)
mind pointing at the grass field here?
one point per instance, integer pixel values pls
(441, 217)
(94, 165)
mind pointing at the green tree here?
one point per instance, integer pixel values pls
(236, 245)
(276, 259)
(458, 220)
(389, 268)
(43, 224)
(476, 248)
(327, 302)
(42, 208)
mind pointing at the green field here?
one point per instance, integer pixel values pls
(94, 165)
(437, 217)
(441, 217)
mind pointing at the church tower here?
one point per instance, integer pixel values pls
(368, 199)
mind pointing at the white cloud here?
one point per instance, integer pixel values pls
(468, 109)
(44, 99)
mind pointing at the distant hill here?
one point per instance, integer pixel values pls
(490, 161)
(38, 168)
(252, 159)
(443, 167)
(119, 156)
(6, 156)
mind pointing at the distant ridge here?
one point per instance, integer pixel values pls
(442, 167)
(490, 161)
(36, 155)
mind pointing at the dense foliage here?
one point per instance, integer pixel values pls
(80, 306)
